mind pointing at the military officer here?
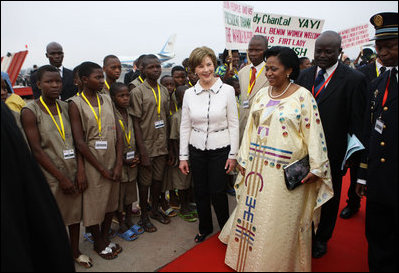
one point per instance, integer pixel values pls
(378, 173)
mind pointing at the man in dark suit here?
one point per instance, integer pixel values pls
(55, 55)
(340, 94)
(378, 172)
(371, 71)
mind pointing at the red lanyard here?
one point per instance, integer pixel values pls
(329, 78)
(386, 92)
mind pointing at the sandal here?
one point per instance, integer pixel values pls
(200, 238)
(137, 229)
(174, 206)
(107, 253)
(84, 261)
(115, 247)
(160, 217)
(136, 211)
(88, 237)
(147, 225)
(188, 217)
(112, 233)
(170, 212)
(128, 235)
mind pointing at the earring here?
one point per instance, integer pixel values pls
(288, 76)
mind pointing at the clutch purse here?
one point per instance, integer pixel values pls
(295, 172)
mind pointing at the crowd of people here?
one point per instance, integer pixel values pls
(174, 144)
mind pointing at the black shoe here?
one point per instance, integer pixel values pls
(200, 238)
(319, 249)
(348, 212)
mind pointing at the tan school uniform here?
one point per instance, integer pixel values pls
(128, 185)
(135, 83)
(167, 182)
(144, 107)
(246, 101)
(105, 90)
(102, 194)
(53, 145)
(180, 180)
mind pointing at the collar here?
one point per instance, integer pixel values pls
(329, 70)
(378, 65)
(61, 69)
(215, 87)
(258, 67)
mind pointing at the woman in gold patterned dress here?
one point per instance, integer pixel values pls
(271, 227)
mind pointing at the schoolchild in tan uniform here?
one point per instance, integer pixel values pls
(140, 79)
(48, 130)
(167, 183)
(179, 75)
(100, 142)
(150, 103)
(192, 78)
(128, 187)
(112, 68)
(76, 80)
(181, 182)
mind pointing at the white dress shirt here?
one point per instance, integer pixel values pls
(209, 119)
(329, 71)
(258, 67)
(61, 70)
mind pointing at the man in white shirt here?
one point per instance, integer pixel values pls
(55, 54)
(340, 93)
(252, 77)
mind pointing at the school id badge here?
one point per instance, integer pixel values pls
(159, 124)
(130, 155)
(245, 104)
(69, 154)
(101, 145)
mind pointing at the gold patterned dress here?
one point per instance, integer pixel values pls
(271, 227)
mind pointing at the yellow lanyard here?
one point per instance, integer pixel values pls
(62, 130)
(249, 83)
(98, 118)
(124, 131)
(106, 84)
(190, 83)
(156, 100)
(141, 79)
(170, 111)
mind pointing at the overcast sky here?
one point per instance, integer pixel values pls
(92, 30)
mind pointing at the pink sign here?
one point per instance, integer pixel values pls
(355, 36)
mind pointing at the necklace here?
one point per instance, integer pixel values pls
(275, 97)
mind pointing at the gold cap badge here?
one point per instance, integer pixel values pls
(378, 20)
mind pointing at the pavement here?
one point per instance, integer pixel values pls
(151, 251)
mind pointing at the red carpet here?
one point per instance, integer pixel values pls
(347, 249)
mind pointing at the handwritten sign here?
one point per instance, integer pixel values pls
(298, 33)
(355, 36)
(238, 24)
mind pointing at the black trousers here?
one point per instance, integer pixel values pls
(353, 200)
(329, 211)
(382, 237)
(210, 182)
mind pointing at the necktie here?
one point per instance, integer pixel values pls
(253, 78)
(319, 81)
(382, 69)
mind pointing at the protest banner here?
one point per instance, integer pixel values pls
(238, 24)
(298, 33)
(355, 36)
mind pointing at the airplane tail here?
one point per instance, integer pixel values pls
(169, 47)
